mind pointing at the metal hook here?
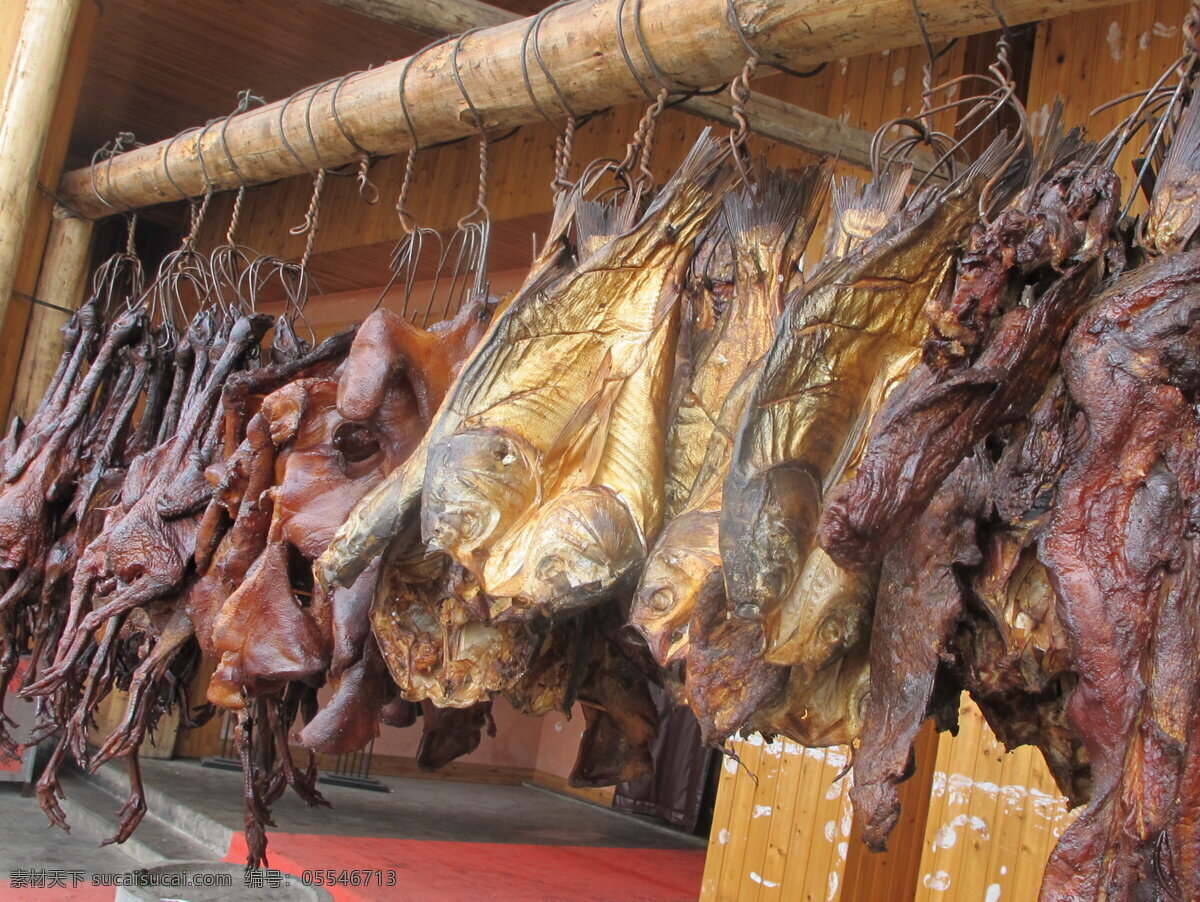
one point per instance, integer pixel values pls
(484, 141)
(735, 23)
(366, 188)
(122, 142)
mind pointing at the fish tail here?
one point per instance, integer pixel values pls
(1184, 155)
(697, 186)
(860, 211)
(775, 216)
(596, 222)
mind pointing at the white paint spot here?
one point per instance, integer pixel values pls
(847, 822)
(939, 881)
(761, 811)
(947, 835)
(951, 92)
(992, 894)
(774, 748)
(1144, 40)
(730, 766)
(723, 837)
(1039, 120)
(1003, 869)
(845, 116)
(833, 886)
(830, 830)
(843, 850)
(1164, 31)
(898, 76)
(885, 53)
(959, 789)
(834, 790)
(769, 884)
(843, 65)
(755, 739)
(1114, 41)
(945, 838)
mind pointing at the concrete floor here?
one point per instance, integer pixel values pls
(435, 840)
(440, 810)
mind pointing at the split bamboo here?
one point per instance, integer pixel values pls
(450, 89)
(30, 92)
(61, 283)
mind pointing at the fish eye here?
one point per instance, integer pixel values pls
(661, 600)
(356, 442)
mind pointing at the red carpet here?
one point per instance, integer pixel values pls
(428, 871)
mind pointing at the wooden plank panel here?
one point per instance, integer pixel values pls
(1093, 57)
(994, 818)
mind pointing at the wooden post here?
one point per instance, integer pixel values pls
(693, 43)
(25, 113)
(14, 349)
(61, 283)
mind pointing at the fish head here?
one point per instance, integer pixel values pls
(684, 557)
(478, 483)
(827, 614)
(585, 544)
(1174, 214)
(767, 526)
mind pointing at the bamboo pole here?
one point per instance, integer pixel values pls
(61, 282)
(691, 41)
(436, 17)
(25, 113)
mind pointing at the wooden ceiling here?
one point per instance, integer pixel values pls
(161, 66)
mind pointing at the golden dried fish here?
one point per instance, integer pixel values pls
(769, 229)
(531, 401)
(1174, 215)
(387, 516)
(843, 343)
(431, 632)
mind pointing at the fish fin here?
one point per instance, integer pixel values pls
(1184, 154)
(579, 444)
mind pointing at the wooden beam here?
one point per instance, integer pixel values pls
(435, 17)
(692, 42)
(61, 283)
(34, 74)
(797, 127)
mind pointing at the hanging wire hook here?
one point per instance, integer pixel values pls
(246, 99)
(564, 145)
(122, 142)
(366, 188)
(484, 141)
